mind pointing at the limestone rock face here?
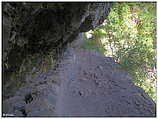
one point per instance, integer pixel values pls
(83, 84)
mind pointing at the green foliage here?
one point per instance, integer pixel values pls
(93, 44)
(129, 36)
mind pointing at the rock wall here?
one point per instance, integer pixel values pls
(43, 27)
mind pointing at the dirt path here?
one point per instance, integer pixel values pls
(84, 84)
(92, 86)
